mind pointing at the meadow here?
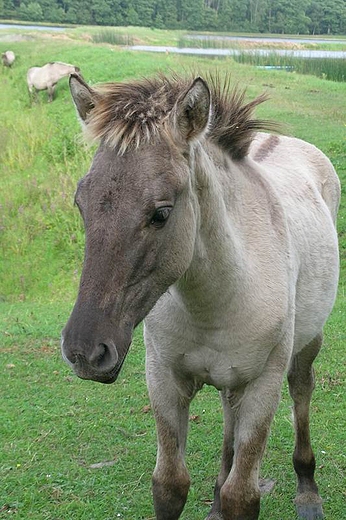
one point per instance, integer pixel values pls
(76, 450)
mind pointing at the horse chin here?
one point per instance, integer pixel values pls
(105, 379)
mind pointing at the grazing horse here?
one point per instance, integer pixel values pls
(222, 237)
(8, 58)
(46, 77)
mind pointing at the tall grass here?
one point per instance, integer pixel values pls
(112, 36)
(42, 156)
(333, 69)
(228, 41)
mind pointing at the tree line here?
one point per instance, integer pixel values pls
(264, 16)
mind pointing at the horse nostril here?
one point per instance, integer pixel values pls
(104, 356)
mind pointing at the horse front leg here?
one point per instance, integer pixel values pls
(32, 94)
(227, 452)
(51, 89)
(171, 480)
(240, 494)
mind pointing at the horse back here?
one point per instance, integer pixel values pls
(297, 168)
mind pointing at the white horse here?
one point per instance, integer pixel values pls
(8, 58)
(224, 240)
(46, 77)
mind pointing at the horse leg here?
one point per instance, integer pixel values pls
(227, 453)
(32, 93)
(240, 494)
(171, 480)
(50, 89)
(301, 385)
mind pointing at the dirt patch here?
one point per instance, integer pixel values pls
(16, 38)
(59, 36)
(270, 45)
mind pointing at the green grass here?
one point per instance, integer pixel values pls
(54, 426)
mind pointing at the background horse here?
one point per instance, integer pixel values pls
(46, 77)
(8, 58)
(223, 238)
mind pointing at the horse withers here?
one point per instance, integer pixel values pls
(222, 238)
(46, 77)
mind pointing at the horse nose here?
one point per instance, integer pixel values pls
(103, 357)
(100, 358)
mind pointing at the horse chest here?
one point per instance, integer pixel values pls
(226, 368)
(224, 355)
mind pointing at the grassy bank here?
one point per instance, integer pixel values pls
(252, 42)
(42, 156)
(77, 450)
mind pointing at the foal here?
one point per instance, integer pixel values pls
(223, 239)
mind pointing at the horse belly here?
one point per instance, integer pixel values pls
(38, 79)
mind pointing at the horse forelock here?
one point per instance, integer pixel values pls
(128, 115)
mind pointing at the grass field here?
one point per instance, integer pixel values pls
(56, 429)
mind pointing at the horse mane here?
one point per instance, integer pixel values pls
(128, 114)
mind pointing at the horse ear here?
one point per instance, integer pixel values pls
(193, 110)
(84, 97)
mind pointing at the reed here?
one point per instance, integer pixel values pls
(249, 52)
(113, 37)
(333, 69)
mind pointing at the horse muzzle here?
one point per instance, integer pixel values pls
(102, 363)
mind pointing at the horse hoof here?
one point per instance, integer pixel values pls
(266, 485)
(309, 511)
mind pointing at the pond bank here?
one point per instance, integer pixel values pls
(311, 54)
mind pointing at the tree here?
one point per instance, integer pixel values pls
(192, 14)
(225, 14)
(210, 19)
(257, 12)
(145, 12)
(101, 12)
(32, 11)
(315, 12)
(333, 16)
(132, 16)
(288, 16)
(168, 11)
(56, 15)
(158, 21)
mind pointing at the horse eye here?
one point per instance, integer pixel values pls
(160, 216)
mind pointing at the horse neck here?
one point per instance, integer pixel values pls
(212, 280)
